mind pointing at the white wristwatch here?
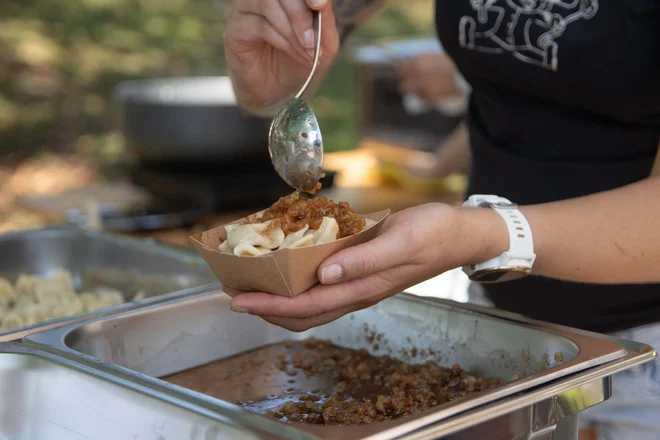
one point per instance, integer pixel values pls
(518, 260)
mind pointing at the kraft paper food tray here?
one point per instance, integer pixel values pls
(286, 272)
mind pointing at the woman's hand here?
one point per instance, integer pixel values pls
(269, 48)
(414, 245)
(429, 76)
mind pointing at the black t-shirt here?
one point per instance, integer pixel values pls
(565, 103)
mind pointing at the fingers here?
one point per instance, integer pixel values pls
(429, 87)
(428, 76)
(319, 300)
(290, 18)
(317, 4)
(301, 325)
(300, 18)
(252, 26)
(232, 292)
(386, 251)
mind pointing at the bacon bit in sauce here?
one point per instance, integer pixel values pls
(293, 212)
(316, 188)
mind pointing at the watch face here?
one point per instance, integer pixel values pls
(499, 275)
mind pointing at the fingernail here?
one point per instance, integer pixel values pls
(316, 3)
(239, 309)
(332, 274)
(308, 38)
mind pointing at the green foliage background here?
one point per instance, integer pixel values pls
(60, 60)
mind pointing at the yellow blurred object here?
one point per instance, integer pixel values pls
(376, 165)
(396, 174)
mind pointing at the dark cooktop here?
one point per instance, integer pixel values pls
(218, 187)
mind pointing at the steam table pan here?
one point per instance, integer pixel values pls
(553, 372)
(127, 264)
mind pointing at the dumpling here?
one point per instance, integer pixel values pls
(255, 234)
(111, 297)
(12, 320)
(304, 241)
(25, 287)
(68, 308)
(90, 301)
(327, 232)
(110, 300)
(298, 239)
(247, 234)
(140, 296)
(46, 293)
(62, 280)
(247, 250)
(230, 228)
(224, 247)
(33, 314)
(7, 294)
(275, 238)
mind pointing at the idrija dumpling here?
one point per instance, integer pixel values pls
(297, 239)
(327, 232)
(255, 234)
(247, 250)
(34, 299)
(292, 222)
(7, 294)
(33, 314)
(12, 320)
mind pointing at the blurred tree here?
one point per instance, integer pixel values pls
(60, 60)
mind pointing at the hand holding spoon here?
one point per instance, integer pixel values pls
(294, 142)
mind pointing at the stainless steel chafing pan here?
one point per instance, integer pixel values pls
(141, 345)
(100, 259)
(48, 397)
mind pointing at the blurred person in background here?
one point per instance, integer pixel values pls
(563, 120)
(433, 77)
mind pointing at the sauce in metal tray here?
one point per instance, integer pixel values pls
(314, 381)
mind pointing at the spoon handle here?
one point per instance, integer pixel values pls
(317, 50)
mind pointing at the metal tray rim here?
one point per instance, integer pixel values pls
(173, 250)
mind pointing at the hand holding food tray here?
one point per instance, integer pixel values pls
(278, 250)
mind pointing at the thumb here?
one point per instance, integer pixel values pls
(383, 252)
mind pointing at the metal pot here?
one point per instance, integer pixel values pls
(182, 120)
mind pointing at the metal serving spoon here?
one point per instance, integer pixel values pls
(294, 142)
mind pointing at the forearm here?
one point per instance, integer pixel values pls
(610, 237)
(454, 153)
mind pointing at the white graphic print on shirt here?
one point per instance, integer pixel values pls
(528, 29)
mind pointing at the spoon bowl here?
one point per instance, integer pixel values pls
(295, 144)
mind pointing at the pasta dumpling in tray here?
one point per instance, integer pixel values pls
(33, 299)
(278, 250)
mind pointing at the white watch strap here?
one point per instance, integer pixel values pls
(521, 243)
